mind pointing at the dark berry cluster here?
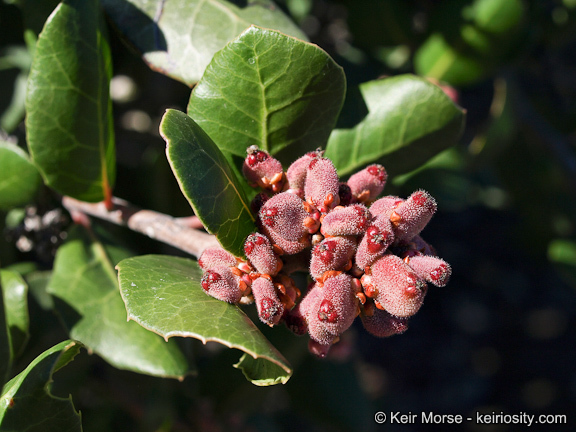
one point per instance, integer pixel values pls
(364, 255)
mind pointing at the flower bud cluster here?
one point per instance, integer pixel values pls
(364, 254)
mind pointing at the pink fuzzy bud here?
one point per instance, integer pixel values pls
(411, 216)
(296, 322)
(258, 201)
(270, 308)
(399, 290)
(333, 253)
(259, 251)
(345, 194)
(318, 349)
(375, 242)
(431, 269)
(222, 284)
(342, 221)
(322, 184)
(417, 243)
(297, 319)
(296, 173)
(263, 170)
(213, 257)
(282, 218)
(296, 262)
(367, 184)
(385, 205)
(334, 310)
(306, 304)
(382, 324)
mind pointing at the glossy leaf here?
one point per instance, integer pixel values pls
(261, 372)
(409, 121)
(164, 295)
(69, 119)
(19, 178)
(270, 90)
(85, 283)
(179, 37)
(207, 181)
(26, 403)
(15, 292)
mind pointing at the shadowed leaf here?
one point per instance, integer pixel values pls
(179, 37)
(85, 284)
(19, 180)
(15, 292)
(26, 403)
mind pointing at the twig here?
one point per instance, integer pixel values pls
(172, 231)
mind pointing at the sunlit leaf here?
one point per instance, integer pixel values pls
(270, 90)
(69, 120)
(409, 121)
(164, 295)
(179, 37)
(261, 372)
(207, 181)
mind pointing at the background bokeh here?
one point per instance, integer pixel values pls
(499, 338)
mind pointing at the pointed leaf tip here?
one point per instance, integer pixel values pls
(186, 311)
(409, 121)
(207, 181)
(268, 89)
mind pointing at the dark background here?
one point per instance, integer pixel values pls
(498, 339)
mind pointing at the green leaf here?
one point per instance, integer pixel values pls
(69, 112)
(164, 295)
(37, 284)
(207, 181)
(19, 180)
(179, 37)
(14, 113)
(6, 355)
(261, 372)
(470, 39)
(270, 90)
(409, 121)
(27, 404)
(86, 284)
(437, 59)
(15, 292)
(562, 253)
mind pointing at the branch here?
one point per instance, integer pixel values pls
(177, 232)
